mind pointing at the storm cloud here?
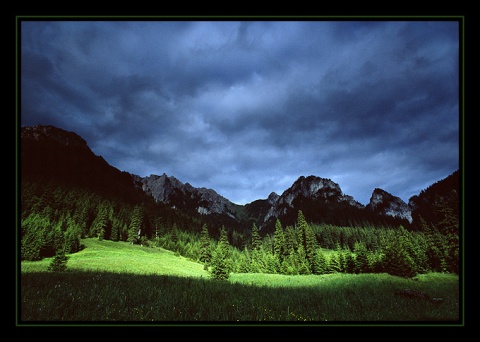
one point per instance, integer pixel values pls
(247, 107)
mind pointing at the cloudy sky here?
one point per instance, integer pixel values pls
(247, 107)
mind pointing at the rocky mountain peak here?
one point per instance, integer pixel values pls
(379, 196)
(307, 190)
(170, 190)
(313, 185)
(48, 151)
(272, 198)
(382, 202)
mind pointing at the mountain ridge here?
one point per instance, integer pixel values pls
(321, 199)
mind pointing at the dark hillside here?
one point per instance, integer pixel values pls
(438, 202)
(50, 153)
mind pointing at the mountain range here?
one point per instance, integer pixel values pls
(48, 152)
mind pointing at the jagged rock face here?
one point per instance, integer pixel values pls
(184, 196)
(272, 198)
(384, 203)
(48, 152)
(162, 188)
(311, 188)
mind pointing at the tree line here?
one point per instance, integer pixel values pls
(55, 218)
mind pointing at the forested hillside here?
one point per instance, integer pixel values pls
(67, 193)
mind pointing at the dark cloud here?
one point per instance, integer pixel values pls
(247, 107)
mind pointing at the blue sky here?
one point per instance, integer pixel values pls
(247, 107)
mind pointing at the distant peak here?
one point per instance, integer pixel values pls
(272, 198)
(380, 192)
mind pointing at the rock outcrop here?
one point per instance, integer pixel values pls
(383, 203)
(48, 152)
(170, 190)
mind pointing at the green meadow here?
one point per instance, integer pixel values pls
(117, 282)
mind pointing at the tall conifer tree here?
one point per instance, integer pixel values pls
(135, 228)
(309, 240)
(256, 238)
(220, 270)
(279, 245)
(205, 252)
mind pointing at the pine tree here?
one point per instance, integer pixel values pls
(116, 226)
(350, 262)
(59, 262)
(257, 259)
(300, 228)
(303, 266)
(321, 266)
(136, 224)
(291, 244)
(341, 258)
(57, 236)
(289, 265)
(397, 261)
(279, 245)
(99, 224)
(205, 251)
(334, 263)
(256, 238)
(272, 263)
(72, 237)
(448, 225)
(434, 250)
(361, 259)
(174, 233)
(220, 270)
(308, 239)
(33, 241)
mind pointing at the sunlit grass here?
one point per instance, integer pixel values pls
(124, 258)
(117, 282)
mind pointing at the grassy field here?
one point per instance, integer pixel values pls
(116, 282)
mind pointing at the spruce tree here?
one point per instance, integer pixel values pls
(321, 266)
(303, 265)
(334, 263)
(350, 262)
(257, 261)
(308, 239)
(174, 233)
(361, 259)
(279, 245)
(289, 265)
(205, 251)
(434, 250)
(290, 240)
(59, 262)
(33, 241)
(220, 269)
(341, 258)
(98, 226)
(256, 238)
(72, 237)
(300, 228)
(396, 259)
(272, 263)
(136, 224)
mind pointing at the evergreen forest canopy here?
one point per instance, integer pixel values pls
(55, 217)
(67, 195)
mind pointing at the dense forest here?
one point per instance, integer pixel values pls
(67, 194)
(55, 216)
